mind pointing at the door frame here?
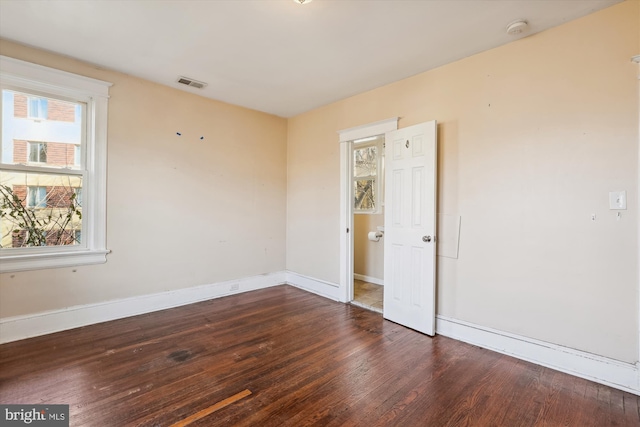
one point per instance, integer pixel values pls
(347, 136)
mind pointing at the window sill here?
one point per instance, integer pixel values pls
(13, 263)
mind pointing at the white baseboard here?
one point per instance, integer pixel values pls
(21, 327)
(317, 286)
(603, 370)
(600, 369)
(368, 279)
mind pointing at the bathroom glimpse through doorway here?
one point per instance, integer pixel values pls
(347, 198)
(368, 222)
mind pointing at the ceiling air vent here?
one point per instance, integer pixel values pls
(191, 82)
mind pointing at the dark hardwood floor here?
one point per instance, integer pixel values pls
(285, 357)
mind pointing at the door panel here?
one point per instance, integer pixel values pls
(409, 274)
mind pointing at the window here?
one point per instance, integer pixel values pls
(47, 167)
(36, 197)
(37, 152)
(367, 171)
(37, 108)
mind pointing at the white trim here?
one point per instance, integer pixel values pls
(346, 222)
(603, 370)
(25, 72)
(320, 287)
(371, 129)
(368, 279)
(42, 169)
(13, 263)
(21, 327)
(600, 369)
(345, 291)
(637, 60)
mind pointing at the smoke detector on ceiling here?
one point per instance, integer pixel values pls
(191, 82)
(302, 1)
(517, 27)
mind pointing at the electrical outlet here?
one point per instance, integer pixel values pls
(235, 287)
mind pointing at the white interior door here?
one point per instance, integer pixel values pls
(409, 227)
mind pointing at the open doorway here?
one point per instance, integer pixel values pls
(410, 220)
(368, 222)
(348, 187)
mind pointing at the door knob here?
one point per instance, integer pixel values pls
(426, 239)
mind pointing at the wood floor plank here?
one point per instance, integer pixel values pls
(308, 361)
(213, 408)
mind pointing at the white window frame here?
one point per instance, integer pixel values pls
(20, 75)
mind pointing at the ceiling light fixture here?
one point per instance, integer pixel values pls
(302, 1)
(517, 27)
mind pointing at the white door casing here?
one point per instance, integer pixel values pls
(410, 224)
(346, 197)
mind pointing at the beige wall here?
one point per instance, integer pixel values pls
(368, 256)
(532, 137)
(181, 211)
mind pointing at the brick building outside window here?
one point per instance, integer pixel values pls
(46, 135)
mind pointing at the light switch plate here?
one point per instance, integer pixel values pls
(618, 200)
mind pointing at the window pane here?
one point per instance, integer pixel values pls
(54, 142)
(33, 151)
(37, 108)
(37, 152)
(78, 191)
(365, 161)
(76, 156)
(364, 194)
(39, 209)
(36, 197)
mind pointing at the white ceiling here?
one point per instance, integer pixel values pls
(274, 55)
